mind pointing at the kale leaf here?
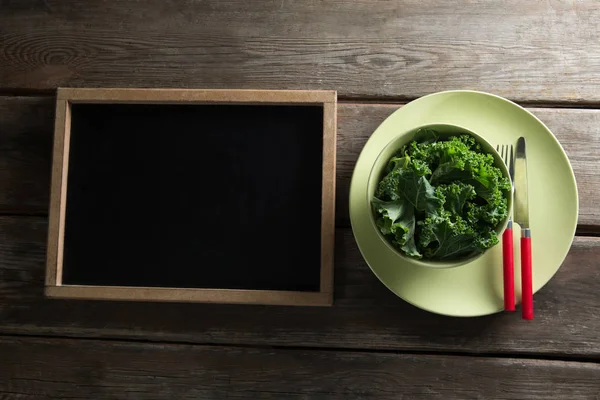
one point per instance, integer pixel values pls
(407, 180)
(447, 237)
(455, 195)
(397, 221)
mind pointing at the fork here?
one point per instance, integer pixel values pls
(508, 263)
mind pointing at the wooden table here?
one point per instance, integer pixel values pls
(378, 55)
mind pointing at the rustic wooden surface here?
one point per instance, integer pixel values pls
(370, 344)
(91, 369)
(528, 51)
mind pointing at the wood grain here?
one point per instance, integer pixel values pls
(526, 51)
(62, 368)
(26, 148)
(219, 296)
(365, 314)
(328, 196)
(165, 96)
(26, 129)
(58, 193)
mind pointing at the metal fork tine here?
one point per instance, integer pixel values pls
(507, 155)
(511, 166)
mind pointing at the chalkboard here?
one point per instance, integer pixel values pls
(194, 196)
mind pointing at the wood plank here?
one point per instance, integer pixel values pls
(178, 96)
(26, 130)
(62, 368)
(219, 296)
(26, 125)
(526, 51)
(365, 314)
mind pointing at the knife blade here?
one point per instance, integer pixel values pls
(521, 211)
(521, 207)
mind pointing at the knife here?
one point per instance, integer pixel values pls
(521, 214)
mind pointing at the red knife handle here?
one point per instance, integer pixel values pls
(508, 268)
(526, 275)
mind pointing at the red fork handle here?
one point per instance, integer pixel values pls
(526, 275)
(508, 268)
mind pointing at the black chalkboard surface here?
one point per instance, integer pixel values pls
(194, 196)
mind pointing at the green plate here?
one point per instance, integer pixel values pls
(475, 288)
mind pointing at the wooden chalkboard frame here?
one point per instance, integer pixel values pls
(54, 286)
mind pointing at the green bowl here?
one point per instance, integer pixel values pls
(445, 131)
